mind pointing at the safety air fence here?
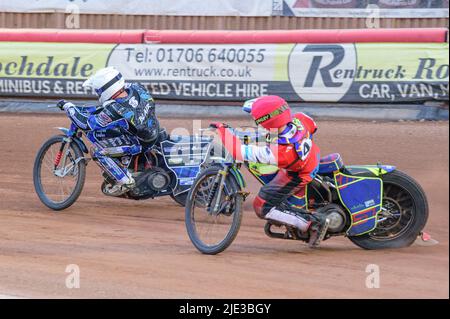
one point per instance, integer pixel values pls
(349, 66)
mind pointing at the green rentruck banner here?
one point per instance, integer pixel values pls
(352, 73)
(49, 69)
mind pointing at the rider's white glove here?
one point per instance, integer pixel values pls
(63, 105)
(67, 105)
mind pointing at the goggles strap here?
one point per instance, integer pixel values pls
(108, 85)
(272, 114)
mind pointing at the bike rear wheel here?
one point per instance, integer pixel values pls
(211, 233)
(59, 173)
(403, 217)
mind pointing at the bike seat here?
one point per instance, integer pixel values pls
(330, 163)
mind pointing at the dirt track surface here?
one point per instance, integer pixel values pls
(141, 250)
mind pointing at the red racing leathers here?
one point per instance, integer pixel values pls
(295, 154)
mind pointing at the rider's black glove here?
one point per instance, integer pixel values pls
(218, 125)
(61, 104)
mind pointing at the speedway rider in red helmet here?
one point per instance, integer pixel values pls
(296, 155)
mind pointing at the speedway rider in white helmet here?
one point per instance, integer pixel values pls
(118, 101)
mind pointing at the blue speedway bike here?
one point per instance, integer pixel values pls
(375, 206)
(166, 168)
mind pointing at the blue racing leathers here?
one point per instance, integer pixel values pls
(119, 127)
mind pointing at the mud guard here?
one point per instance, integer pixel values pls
(362, 196)
(369, 170)
(236, 173)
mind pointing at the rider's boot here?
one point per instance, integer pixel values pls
(120, 180)
(317, 230)
(290, 218)
(305, 222)
(120, 187)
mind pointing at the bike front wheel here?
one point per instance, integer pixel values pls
(59, 173)
(211, 232)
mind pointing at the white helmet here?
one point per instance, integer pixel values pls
(106, 82)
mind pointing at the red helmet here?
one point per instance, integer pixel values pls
(271, 112)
